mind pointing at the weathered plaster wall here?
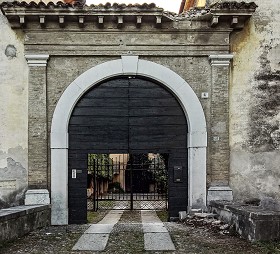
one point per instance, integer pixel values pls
(255, 106)
(254, 103)
(13, 116)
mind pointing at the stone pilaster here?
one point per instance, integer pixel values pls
(37, 122)
(219, 134)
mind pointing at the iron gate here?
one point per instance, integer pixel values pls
(127, 181)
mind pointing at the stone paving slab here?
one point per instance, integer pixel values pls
(97, 235)
(158, 242)
(100, 229)
(94, 242)
(150, 217)
(112, 217)
(156, 236)
(154, 228)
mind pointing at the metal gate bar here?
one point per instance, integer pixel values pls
(127, 181)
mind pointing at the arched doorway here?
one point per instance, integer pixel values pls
(137, 117)
(128, 65)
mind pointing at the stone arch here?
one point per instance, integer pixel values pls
(127, 65)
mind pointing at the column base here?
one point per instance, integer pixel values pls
(219, 193)
(37, 197)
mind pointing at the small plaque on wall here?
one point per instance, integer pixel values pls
(74, 173)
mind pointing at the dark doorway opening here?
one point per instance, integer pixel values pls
(133, 116)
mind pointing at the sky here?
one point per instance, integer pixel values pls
(168, 5)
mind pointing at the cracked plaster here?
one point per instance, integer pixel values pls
(254, 106)
(254, 124)
(13, 115)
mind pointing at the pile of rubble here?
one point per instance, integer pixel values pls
(207, 221)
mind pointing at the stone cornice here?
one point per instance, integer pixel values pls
(220, 60)
(235, 13)
(20, 13)
(37, 60)
(79, 5)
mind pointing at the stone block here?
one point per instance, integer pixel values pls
(205, 215)
(20, 220)
(37, 197)
(182, 215)
(193, 211)
(251, 222)
(219, 193)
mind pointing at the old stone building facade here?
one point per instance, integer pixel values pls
(220, 62)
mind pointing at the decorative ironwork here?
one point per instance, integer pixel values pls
(123, 181)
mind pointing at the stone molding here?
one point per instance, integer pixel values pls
(220, 60)
(37, 60)
(127, 65)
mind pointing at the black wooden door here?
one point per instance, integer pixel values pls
(127, 115)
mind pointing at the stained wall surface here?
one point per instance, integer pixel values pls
(254, 101)
(13, 116)
(255, 106)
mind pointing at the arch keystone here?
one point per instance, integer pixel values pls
(130, 65)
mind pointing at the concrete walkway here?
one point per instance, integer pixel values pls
(97, 235)
(156, 236)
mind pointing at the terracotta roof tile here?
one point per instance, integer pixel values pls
(33, 4)
(233, 5)
(79, 4)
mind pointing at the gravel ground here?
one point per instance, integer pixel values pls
(127, 238)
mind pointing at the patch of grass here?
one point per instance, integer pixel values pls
(163, 215)
(269, 247)
(94, 217)
(6, 244)
(125, 243)
(106, 204)
(130, 217)
(91, 216)
(71, 240)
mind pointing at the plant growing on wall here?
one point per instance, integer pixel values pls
(158, 167)
(102, 164)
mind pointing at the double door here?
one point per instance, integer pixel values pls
(127, 115)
